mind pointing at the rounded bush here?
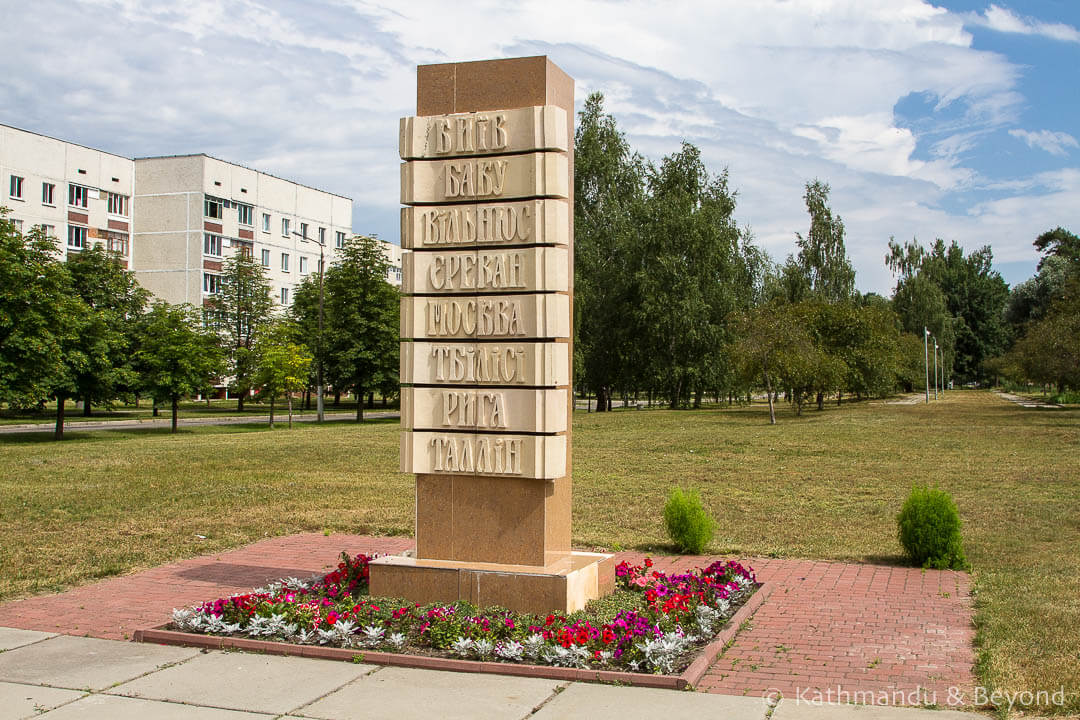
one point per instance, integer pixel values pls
(689, 526)
(929, 529)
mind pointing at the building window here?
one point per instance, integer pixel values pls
(118, 243)
(284, 296)
(76, 237)
(212, 245)
(285, 227)
(211, 284)
(47, 192)
(118, 204)
(339, 239)
(303, 265)
(15, 190)
(212, 208)
(246, 249)
(245, 214)
(266, 222)
(322, 236)
(17, 224)
(48, 231)
(303, 230)
(266, 258)
(284, 262)
(78, 195)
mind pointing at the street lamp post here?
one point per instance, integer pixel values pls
(926, 361)
(935, 369)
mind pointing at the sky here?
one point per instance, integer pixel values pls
(957, 120)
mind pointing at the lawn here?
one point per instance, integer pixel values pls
(827, 485)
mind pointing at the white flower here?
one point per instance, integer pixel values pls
(512, 651)
(462, 647)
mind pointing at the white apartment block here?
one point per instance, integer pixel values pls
(175, 219)
(81, 196)
(193, 211)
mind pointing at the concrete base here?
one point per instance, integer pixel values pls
(564, 585)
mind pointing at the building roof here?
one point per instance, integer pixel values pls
(230, 162)
(50, 137)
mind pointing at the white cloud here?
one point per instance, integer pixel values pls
(1004, 20)
(777, 91)
(1052, 142)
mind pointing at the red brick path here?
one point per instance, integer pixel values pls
(828, 627)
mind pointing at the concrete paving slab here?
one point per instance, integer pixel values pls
(80, 663)
(406, 693)
(585, 700)
(794, 710)
(257, 683)
(24, 701)
(111, 707)
(11, 638)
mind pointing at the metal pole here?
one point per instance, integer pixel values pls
(319, 366)
(926, 361)
(935, 369)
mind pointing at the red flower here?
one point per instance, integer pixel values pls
(648, 562)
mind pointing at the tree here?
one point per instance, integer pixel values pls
(240, 310)
(970, 295)
(283, 364)
(361, 324)
(115, 300)
(763, 339)
(41, 320)
(822, 257)
(176, 356)
(609, 189)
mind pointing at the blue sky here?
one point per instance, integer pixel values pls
(958, 120)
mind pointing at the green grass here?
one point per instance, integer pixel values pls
(828, 486)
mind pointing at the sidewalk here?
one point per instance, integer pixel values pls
(828, 627)
(165, 421)
(63, 677)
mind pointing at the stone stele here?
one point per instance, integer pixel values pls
(487, 341)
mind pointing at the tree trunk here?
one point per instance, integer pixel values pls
(601, 399)
(208, 399)
(839, 396)
(136, 401)
(385, 401)
(155, 408)
(272, 399)
(359, 405)
(290, 411)
(769, 394)
(86, 407)
(821, 401)
(371, 400)
(697, 399)
(58, 433)
(240, 401)
(175, 410)
(307, 399)
(337, 398)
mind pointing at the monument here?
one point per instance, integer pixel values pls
(486, 327)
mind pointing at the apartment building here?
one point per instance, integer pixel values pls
(174, 219)
(79, 195)
(193, 211)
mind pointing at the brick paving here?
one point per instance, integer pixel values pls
(831, 628)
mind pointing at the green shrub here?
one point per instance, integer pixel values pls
(688, 525)
(929, 529)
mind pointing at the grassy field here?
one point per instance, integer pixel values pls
(827, 485)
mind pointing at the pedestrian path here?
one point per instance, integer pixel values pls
(854, 633)
(61, 677)
(162, 422)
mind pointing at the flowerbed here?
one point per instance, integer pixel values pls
(654, 622)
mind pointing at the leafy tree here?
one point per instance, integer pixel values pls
(115, 300)
(763, 341)
(609, 189)
(361, 323)
(41, 321)
(825, 267)
(240, 311)
(283, 364)
(690, 274)
(176, 356)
